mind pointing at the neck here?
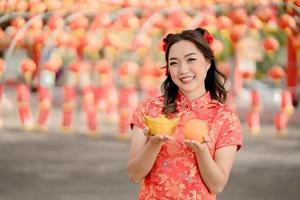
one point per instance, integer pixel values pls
(194, 95)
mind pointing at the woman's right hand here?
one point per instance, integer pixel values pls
(157, 138)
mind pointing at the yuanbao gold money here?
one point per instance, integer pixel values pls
(161, 125)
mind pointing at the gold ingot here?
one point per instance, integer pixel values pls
(161, 125)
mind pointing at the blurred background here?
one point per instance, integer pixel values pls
(73, 71)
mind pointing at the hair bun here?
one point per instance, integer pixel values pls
(200, 30)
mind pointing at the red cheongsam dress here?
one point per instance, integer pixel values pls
(175, 174)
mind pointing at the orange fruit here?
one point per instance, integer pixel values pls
(161, 125)
(195, 129)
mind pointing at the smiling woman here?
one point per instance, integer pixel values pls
(185, 71)
(184, 165)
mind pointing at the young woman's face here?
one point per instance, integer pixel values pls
(188, 68)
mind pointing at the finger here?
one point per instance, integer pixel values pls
(158, 137)
(187, 141)
(167, 137)
(146, 131)
(207, 139)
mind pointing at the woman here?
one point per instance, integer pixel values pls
(175, 167)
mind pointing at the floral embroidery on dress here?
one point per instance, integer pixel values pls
(175, 174)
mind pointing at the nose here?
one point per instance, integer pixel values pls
(184, 68)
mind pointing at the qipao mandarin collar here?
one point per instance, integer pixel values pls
(183, 103)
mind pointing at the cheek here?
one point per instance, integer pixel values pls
(199, 70)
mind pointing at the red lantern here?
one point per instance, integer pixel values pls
(100, 20)
(178, 19)
(280, 122)
(224, 22)
(276, 73)
(239, 16)
(247, 75)
(80, 21)
(2, 66)
(54, 63)
(28, 65)
(128, 68)
(75, 66)
(255, 100)
(65, 39)
(296, 41)
(265, 14)
(253, 122)
(69, 99)
(54, 5)
(255, 23)
(3, 6)
(21, 6)
(17, 22)
(89, 107)
(270, 44)
(129, 20)
(208, 20)
(217, 47)
(286, 21)
(103, 66)
(55, 22)
(236, 32)
(23, 98)
(286, 102)
(37, 7)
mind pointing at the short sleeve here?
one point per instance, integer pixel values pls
(137, 118)
(231, 132)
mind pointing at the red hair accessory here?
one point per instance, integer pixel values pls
(208, 37)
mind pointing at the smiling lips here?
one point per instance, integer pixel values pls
(187, 79)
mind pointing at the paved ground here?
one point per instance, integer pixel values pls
(53, 166)
(36, 166)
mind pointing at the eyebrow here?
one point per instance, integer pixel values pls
(184, 56)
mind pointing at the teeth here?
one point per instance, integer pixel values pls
(187, 79)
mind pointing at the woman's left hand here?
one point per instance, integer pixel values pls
(197, 146)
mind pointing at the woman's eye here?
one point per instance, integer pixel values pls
(173, 63)
(191, 59)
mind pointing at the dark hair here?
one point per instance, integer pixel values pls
(214, 81)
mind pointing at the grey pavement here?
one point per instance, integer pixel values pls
(52, 166)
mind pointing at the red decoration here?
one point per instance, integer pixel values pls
(55, 22)
(239, 16)
(254, 22)
(224, 22)
(208, 37)
(281, 122)
(103, 66)
(286, 21)
(75, 66)
(253, 122)
(69, 99)
(276, 73)
(286, 102)
(270, 44)
(23, 97)
(80, 21)
(255, 100)
(265, 14)
(2, 65)
(45, 101)
(28, 65)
